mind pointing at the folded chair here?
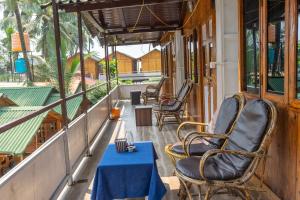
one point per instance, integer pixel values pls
(231, 167)
(152, 91)
(229, 111)
(173, 108)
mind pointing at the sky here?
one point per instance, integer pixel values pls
(135, 51)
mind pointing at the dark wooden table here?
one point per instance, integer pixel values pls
(143, 115)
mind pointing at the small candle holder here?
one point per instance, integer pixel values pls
(131, 148)
(121, 145)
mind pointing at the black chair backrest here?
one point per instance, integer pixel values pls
(247, 134)
(182, 95)
(228, 113)
(181, 89)
(160, 84)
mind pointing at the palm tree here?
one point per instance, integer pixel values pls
(13, 5)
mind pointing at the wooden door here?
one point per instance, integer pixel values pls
(209, 71)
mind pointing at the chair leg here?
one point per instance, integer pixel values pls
(157, 115)
(183, 192)
(247, 194)
(178, 118)
(207, 195)
(161, 122)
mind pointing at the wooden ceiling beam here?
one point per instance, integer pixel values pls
(143, 30)
(96, 5)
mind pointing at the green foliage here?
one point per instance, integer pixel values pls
(39, 24)
(112, 67)
(126, 82)
(98, 93)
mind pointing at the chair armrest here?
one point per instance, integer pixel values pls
(257, 154)
(196, 136)
(151, 87)
(180, 138)
(161, 104)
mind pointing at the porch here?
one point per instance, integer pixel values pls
(83, 182)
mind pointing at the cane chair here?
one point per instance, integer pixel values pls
(174, 108)
(152, 91)
(229, 111)
(232, 166)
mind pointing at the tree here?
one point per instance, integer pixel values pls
(13, 5)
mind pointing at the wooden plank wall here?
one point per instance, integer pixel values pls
(125, 63)
(91, 66)
(282, 173)
(282, 169)
(151, 62)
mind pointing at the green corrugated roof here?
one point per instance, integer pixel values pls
(72, 105)
(14, 141)
(27, 96)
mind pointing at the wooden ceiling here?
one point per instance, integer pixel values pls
(125, 22)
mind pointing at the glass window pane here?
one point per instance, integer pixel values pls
(276, 43)
(252, 47)
(192, 58)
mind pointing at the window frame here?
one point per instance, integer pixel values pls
(293, 43)
(280, 98)
(242, 52)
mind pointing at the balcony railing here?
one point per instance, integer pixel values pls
(44, 173)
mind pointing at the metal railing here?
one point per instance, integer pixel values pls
(52, 165)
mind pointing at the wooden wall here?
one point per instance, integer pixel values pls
(282, 173)
(91, 66)
(283, 165)
(151, 62)
(204, 12)
(125, 63)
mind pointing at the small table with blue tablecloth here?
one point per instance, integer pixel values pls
(128, 175)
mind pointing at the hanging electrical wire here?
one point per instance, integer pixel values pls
(157, 17)
(186, 21)
(139, 17)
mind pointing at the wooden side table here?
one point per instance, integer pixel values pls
(143, 115)
(135, 97)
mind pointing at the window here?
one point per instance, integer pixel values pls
(298, 56)
(192, 49)
(192, 57)
(252, 47)
(276, 44)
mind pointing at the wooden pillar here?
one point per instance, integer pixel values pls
(117, 70)
(107, 65)
(81, 56)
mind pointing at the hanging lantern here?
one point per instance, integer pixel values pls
(20, 66)
(16, 42)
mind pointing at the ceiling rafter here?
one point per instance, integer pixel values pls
(144, 30)
(97, 5)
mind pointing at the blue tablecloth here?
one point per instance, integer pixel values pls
(128, 175)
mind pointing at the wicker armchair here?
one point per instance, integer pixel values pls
(174, 107)
(152, 91)
(229, 111)
(231, 167)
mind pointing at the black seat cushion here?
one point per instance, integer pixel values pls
(196, 149)
(247, 136)
(189, 167)
(227, 114)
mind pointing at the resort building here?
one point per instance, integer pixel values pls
(151, 62)
(91, 63)
(230, 72)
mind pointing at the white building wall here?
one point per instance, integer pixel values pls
(227, 48)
